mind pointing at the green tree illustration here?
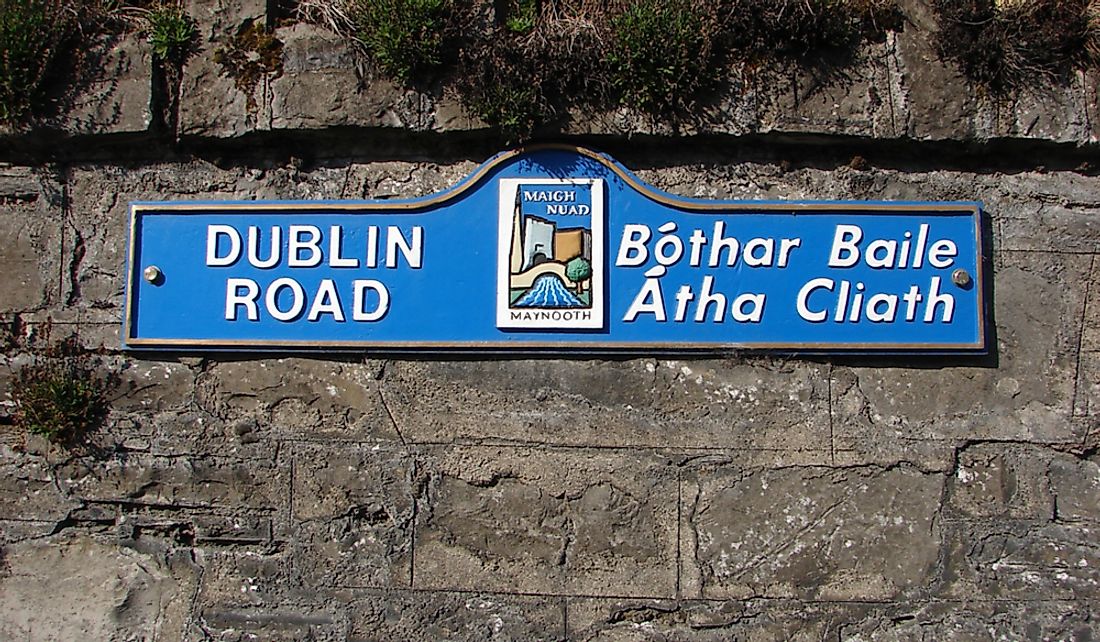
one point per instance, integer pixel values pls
(578, 270)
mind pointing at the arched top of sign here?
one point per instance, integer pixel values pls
(556, 248)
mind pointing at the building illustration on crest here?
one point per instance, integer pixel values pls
(540, 247)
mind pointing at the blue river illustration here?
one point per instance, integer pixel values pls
(548, 291)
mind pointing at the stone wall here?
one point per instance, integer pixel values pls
(740, 496)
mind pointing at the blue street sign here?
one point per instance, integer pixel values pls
(556, 248)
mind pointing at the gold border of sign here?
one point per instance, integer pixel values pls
(473, 180)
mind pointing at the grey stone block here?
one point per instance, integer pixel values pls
(210, 105)
(353, 515)
(975, 621)
(232, 529)
(1001, 481)
(438, 615)
(764, 404)
(28, 487)
(1055, 113)
(1044, 212)
(297, 397)
(331, 481)
(275, 623)
(1019, 560)
(1088, 384)
(320, 87)
(855, 100)
(118, 97)
(810, 533)
(31, 245)
(186, 433)
(9, 366)
(937, 102)
(78, 587)
(140, 479)
(148, 387)
(1092, 103)
(1075, 485)
(550, 522)
(1090, 338)
(97, 223)
(602, 620)
(18, 530)
(235, 579)
(216, 18)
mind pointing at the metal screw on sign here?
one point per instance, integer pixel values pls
(960, 277)
(152, 274)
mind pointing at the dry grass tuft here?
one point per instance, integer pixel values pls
(1004, 44)
(1092, 32)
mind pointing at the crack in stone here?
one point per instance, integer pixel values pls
(393, 418)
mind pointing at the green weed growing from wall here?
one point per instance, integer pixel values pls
(171, 32)
(62, 394)
(404, 37)
(523, 16)
(45, 42)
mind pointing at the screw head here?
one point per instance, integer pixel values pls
(961, 278)
(152, 273)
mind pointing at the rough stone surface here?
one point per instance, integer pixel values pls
(78, 587)
(699, 404)
(118, 99)
(320, 87)
(543, 522)
(573, 499)
(855, 101)
(377, 617)
(31, 244)
(354, 512)
(976, 621)
(936, 100)
(991, 482)
(814, 533)
(210, 104)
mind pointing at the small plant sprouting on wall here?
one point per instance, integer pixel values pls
(170, 31)
(522, 16)
(1003, 44)
(62, 394)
